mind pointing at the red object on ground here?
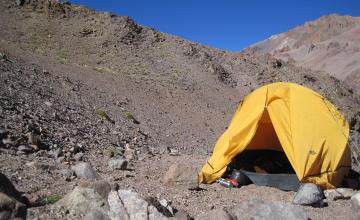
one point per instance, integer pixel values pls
(232, 181)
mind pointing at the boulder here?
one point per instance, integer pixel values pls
(162, 206)
(117, 209)
(280, 210)
(181, 175)
(85, 171)
(355, 204)
(117, 164)
(154, 214)
(96, 215)
(102, 187)
(309, 194)
(82, 200)
(182, 215)
(339, 193)
(260, 210)
(216, 214)
(127, 204)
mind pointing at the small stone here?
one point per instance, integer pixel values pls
(216, 214)
(85, 171)
(33, 140)
(173, 152)
(19, 2)
(25, 149)
(166, 204)
(60, 160)
(117, 164)
(130, 154)
(96, 215)
(339, 193)
(162, 150)
(49, 104)
(7, 140)
(309, 194)
(66, 173)
(56, 153)
(79, 156)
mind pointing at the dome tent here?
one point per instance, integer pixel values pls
(290, 118)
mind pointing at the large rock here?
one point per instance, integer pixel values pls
(96, 215)
(182, 215)
(355, 203)
(128, 205)
(309, 194)
(117, 209)
(339, 193)
(85, 171)
(10, 208)
(260, 210)
(216, 214)
(279, 210)
(102, 187)
(181, 175)
(82, 200)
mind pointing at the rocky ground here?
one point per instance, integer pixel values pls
(76, 134)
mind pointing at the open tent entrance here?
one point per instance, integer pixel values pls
(264, 153)
(264, 160)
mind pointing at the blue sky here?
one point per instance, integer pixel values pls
(228, 24)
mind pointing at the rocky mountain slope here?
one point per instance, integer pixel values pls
(330, 43)
(83, 86)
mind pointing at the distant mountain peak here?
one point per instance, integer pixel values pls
(330, 43)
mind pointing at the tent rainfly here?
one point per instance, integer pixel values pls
(293, 119)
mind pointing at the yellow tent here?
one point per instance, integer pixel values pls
(290, 118)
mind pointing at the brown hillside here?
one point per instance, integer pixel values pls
(94, 85)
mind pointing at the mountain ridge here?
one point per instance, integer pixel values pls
(329, 43)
